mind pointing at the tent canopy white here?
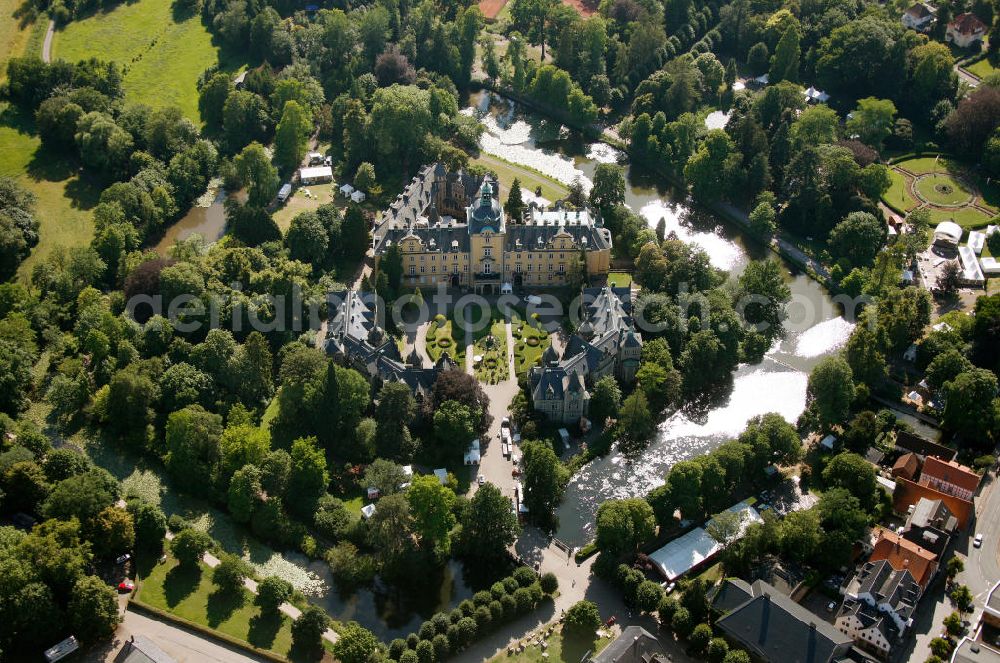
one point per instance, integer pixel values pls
(948, 231)
(686, 552)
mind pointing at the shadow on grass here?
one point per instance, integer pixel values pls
(303, 654)
(222, 604)
(179, 583)
(264, 629)
(145, 562)
(574, 646)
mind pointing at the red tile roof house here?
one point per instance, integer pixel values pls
(906, 466)
(965, 30)
(950, 477)
(908, 493)
(905, 555)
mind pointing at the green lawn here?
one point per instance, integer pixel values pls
(190, 594)
(898, 194)
(64, 196)
(163, 58)
(983, 68)
(529, 344)
(924, 165)
(17, 27)
(943, 189)
(620, 279)
(530, 179)
(568, 649)
(319, 194)
(967, 217)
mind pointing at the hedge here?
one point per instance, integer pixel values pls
(504, 601)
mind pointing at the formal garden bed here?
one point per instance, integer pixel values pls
(492, 348)
(530, 341)
(443, 335)
(943, 186)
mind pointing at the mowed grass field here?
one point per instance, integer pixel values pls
(163, 58)
(530, 179)
(64, 197)
(17, 31)
(191, 595)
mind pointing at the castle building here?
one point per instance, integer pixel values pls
(452, 230)
(606, 343)
(355, 338)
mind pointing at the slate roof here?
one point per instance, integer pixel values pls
(353, 332)
(870, 616)
(413, 213)
(779, 630)
(731, 594)
(634, 645)
(895, 587)
(922, 447)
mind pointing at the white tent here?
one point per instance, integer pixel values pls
(976, 241)
(358, 196)
(990, 266)
(686, 552)
(816, 96)
(316, 174)
(346, 190)
(368, 511)
(972, 274)
(948, 231)
(828, 441)
(506, 288)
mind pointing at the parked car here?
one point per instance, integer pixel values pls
(121, 559)
(481, 479)
(830, 606)
(126, 585)
(978, 541)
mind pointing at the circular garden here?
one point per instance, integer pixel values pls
(947, 189)
(943, 190)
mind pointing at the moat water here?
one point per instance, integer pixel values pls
(814, 329)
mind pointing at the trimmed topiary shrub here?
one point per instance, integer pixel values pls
(549, 583)
(524, 576)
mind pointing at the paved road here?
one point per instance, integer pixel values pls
(982, 571)
(967, 77)
(184, 645)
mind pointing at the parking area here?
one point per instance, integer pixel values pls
(819, 603)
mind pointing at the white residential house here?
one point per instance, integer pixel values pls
(919, 17)
(966, 30)
(878, 604)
